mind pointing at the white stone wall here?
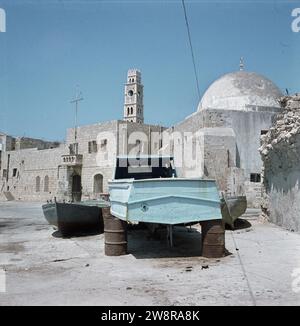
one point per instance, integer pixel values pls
(247, 127)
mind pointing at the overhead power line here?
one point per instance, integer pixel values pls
(191, 47)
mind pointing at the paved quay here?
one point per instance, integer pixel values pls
(41, 268)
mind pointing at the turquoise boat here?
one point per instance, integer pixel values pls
(165, 200)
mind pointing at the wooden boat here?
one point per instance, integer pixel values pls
(165, 200)
(50, 213)
(75, 218)
(232, 208)
(141, 168)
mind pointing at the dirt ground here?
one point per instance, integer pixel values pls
(41, 268)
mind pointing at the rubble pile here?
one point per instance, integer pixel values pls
(280, 146)
(281, 139)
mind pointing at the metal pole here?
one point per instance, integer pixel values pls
(76, 100)
(170, 235)
(76, 110)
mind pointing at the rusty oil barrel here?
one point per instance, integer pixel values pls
(115, 234)
(213, 239)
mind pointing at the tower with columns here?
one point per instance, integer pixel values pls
(133, 102)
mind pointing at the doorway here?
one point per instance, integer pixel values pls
(76, 188)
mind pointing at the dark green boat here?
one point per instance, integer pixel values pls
(76, 218)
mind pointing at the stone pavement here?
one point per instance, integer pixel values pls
(44, 269)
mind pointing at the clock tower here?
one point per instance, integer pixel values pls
(133, 103)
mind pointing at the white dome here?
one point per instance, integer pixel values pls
(239, 91)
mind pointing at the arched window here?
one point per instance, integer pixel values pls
(128, 111)
(131, 110)
(37, 184)
(46, 184)
(132, 80)
(98, 183)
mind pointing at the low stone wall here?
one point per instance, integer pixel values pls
(280, 152)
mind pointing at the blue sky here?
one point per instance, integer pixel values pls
(51, 46)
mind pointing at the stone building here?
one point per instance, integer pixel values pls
(32, 169)
(231, 116)
(280, 152)
(223, 135)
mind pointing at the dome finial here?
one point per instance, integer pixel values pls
(242, 65)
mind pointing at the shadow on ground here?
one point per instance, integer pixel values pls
(186, 243)
(57, 234)
(239, 224)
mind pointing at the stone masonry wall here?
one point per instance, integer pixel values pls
(280, 152)
(25, 167)
(247, 127)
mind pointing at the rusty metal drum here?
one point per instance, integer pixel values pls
(213, 239)
(115, 234)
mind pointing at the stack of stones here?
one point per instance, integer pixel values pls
(280, 147)
(284, 131)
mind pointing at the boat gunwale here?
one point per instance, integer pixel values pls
(131, 180)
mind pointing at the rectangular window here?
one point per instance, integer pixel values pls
(103, 144)
(263, 132)
(255, 177)
(92, 147)
(14, 172)
(4, 173)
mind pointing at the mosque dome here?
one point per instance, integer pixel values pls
(241, 91)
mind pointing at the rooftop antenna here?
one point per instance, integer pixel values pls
(242, 65)
(78, 98)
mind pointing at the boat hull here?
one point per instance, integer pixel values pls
(74, 219)
(165, 200)
(50, 213)
(232, 208)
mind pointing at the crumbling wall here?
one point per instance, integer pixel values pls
(25, 142)
(280, 152)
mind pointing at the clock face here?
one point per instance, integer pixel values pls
(130, 93)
